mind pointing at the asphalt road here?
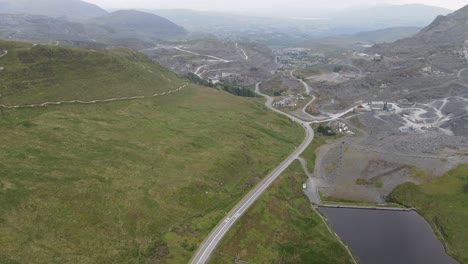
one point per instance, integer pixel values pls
(209, 245)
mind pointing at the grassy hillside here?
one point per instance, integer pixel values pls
(444, 203)
(45, 73)
(281, 228)
(141, 181)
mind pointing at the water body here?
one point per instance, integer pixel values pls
(387, 237)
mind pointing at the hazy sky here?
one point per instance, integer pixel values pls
(258, 5)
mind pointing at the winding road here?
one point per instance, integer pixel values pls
(242, 52)
(208, 246)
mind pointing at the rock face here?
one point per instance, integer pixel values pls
(73, 9)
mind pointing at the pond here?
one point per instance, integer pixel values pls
(387, 237)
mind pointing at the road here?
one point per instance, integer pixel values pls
(198, 71)
(5, 52)
(243, 53)
(198, 54)
(311, 190)
(208, 246)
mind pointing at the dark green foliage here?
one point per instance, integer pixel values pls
(225, 86)
(337, 68)
(277, 93)
(193, 78)
(326, 131)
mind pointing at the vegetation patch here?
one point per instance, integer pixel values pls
(126, 182)
(310, 153)
(281, 228)
(224, 86)
(326, 130)
(361, 181)
(444, 204)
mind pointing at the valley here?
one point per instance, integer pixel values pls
(179, 136)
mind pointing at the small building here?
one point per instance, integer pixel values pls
(378, 57)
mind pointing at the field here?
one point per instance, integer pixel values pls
(444, 204)
(140, 181)
(281, 228)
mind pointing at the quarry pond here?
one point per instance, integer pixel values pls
(387, 237)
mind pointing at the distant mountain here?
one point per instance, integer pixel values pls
(385, 16)
(295, 26)
(73, 9)
(43, 28)
(333, 45)
(388, 34)
(445, 33)
(131, 29)
(138, 24)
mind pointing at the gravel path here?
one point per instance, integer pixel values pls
(93, 101)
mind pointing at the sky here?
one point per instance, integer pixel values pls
(260, 5)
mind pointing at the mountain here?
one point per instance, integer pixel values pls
(138, 24)
(445, 33)
(387, 34)
(294, 26)
(385, 16)
(132, 29)
(40, 28)
(73, 9)
(359, 41)
(430, 65)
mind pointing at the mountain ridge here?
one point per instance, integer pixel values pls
(72, 9)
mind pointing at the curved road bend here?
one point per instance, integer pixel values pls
(208, 246)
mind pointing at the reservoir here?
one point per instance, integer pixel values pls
(387, 237)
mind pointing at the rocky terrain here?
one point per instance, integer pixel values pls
(369, 166)
(410, 100)
(216, 60)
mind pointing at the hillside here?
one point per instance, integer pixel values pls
(136, 181)
(445, 33)
(137, 24)
(37, 74)
(282, 228)
(388, 34)
(40, 28)
(444, 204)
(126, 28)
(74, 9)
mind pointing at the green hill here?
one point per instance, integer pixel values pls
(47, 73)
(137, 181)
